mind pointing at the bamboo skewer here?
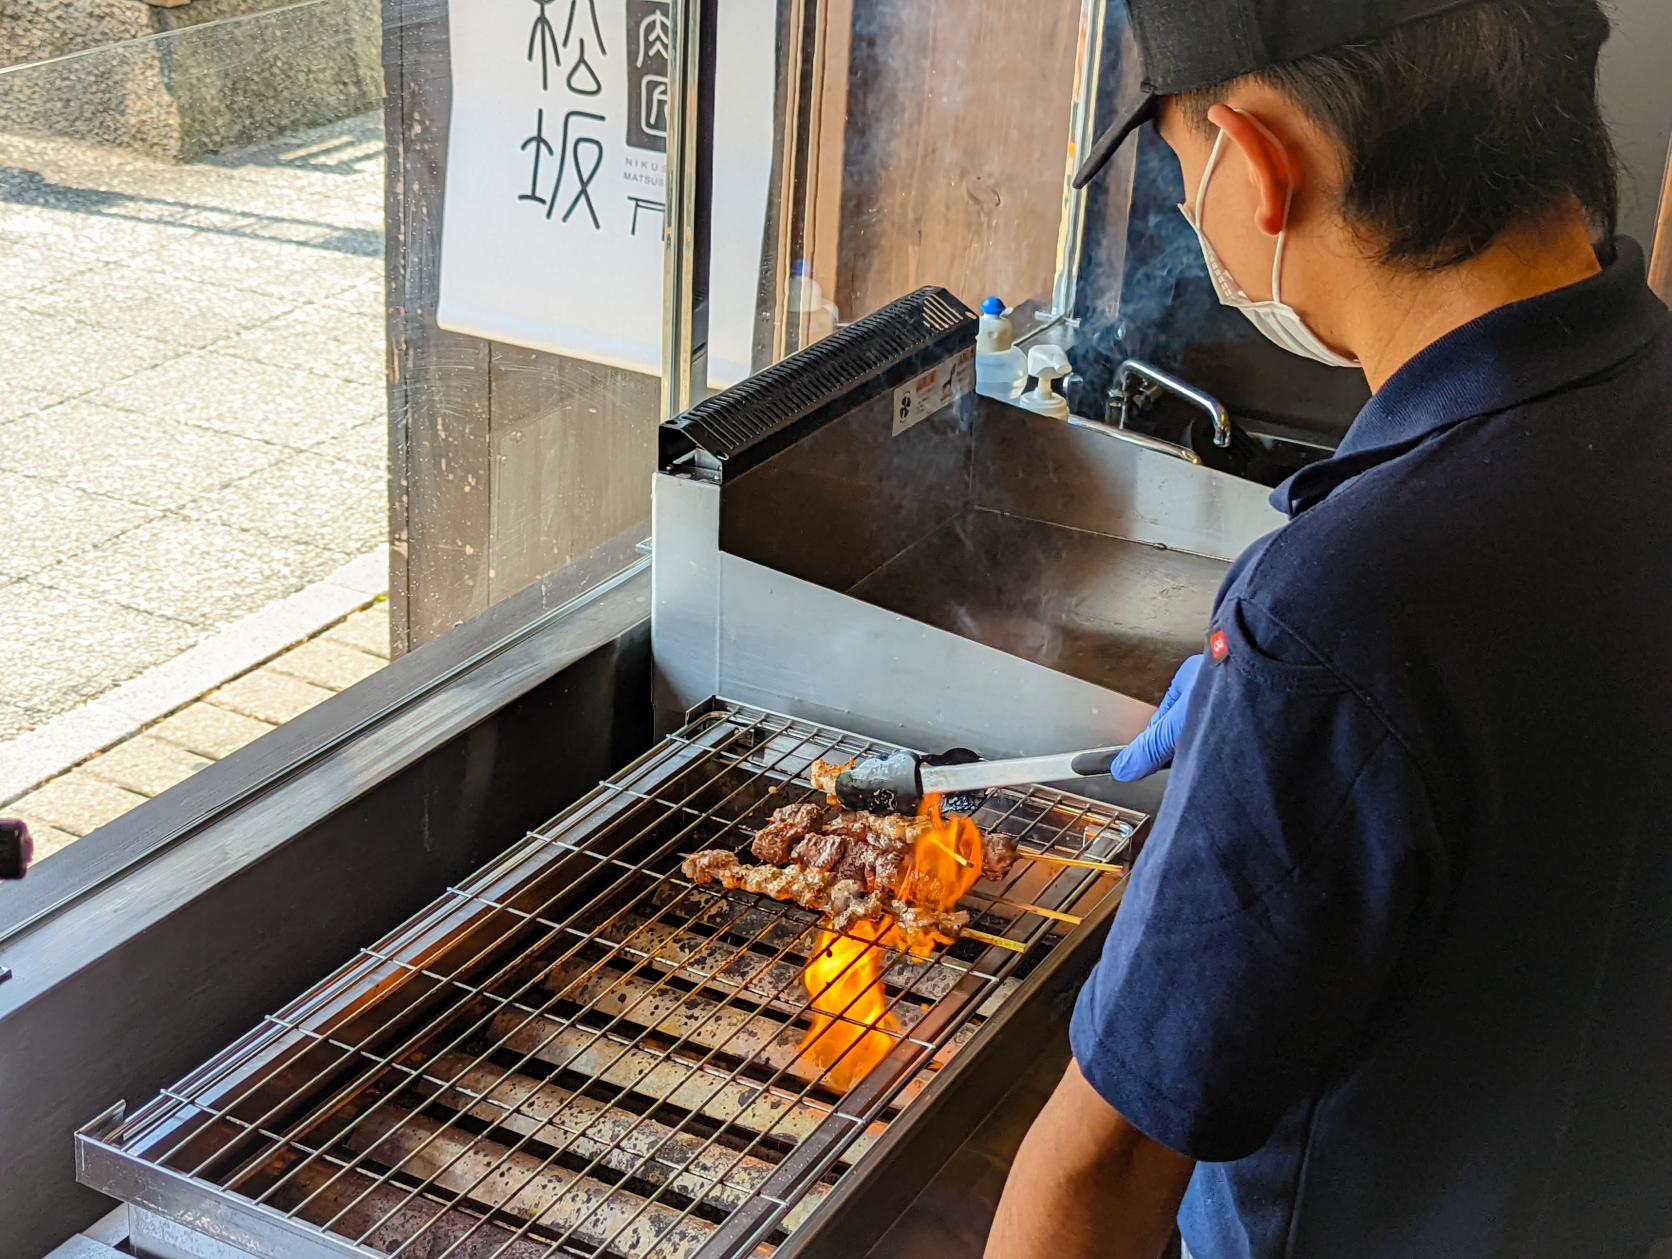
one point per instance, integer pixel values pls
(1080, 863)
(1015, 946)
(953, 853)
(1073, 920)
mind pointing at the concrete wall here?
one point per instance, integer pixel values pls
(33, 30)
(186, 81)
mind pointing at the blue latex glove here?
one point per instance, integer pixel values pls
(1153, 749)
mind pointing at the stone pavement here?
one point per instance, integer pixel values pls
(192, 413)
(99, 790)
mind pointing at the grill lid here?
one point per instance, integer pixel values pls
(756, 418)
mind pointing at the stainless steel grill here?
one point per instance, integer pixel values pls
(580, 1053)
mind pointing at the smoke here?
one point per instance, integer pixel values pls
(1145, 292)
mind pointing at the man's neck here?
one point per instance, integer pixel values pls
(1416, 309)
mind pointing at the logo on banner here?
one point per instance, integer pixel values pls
(650, 39)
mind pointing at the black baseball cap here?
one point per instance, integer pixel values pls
(1182, 45)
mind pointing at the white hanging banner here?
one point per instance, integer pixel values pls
(557, 175)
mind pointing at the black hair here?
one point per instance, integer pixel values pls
(1460, 126)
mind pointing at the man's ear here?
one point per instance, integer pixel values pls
(1274, 176)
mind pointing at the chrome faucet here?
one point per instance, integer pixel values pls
(1126, 394)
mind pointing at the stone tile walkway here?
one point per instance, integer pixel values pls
(192, 420)
(103, 788)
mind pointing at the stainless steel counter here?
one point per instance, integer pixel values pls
(1118, 613)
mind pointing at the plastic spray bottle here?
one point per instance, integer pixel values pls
(1001, 370)
(815, 317)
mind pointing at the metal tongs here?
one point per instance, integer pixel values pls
(898, 783)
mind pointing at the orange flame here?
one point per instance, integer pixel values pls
(851, 1022)
(945, 863)
(852, 1026)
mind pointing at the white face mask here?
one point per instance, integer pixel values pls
(1280, 322)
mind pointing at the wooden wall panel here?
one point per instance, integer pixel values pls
(1660, 268)
(827, 141)
(958, 118)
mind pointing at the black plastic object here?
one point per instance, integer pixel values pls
(960, 801)
(777, 406)
(1249, 459)
(17, 849)
(894, 784)
(1235, 458)
(1097, 761)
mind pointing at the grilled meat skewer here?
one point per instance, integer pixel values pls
(843, 901)
(823, 774)
(849, 866)
(869, 848)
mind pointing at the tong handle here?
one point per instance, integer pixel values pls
(897, 783)
(1020, 772)
(1096, 761)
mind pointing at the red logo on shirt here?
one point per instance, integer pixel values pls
(1219, 647)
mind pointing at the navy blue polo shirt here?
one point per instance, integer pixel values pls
(1396, 964)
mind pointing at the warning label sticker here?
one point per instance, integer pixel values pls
(937, 388)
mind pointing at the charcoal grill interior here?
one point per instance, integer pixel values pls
(577, 1052)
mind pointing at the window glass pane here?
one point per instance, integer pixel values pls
(527, 291)
(197, 530)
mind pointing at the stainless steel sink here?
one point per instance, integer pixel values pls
(1155, 409)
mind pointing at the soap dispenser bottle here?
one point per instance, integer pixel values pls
(1048, 364)
(814, 316)
(1001, 370)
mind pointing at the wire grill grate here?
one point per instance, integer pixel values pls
(579, 1053)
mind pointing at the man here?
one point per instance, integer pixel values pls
(1394, 973)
